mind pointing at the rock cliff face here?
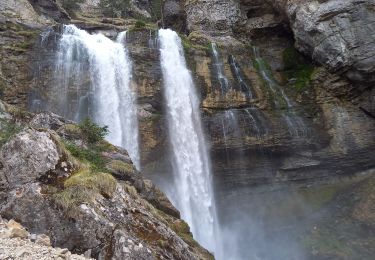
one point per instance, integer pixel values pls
(336, 34)
(288, 107)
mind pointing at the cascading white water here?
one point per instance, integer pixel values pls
(108, 99)
(194, 194)
(219, 68)
(237, 73)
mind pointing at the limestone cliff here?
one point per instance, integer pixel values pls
(287, 103)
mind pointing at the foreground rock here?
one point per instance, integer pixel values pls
(79, 205)
(17, 243)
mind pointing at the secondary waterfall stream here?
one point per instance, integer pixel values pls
(194, 194)
(93, 80)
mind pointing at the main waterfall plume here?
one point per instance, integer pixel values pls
(194, 194)
(93, 80)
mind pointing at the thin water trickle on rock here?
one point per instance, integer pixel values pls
(243, 86)
(295, 123)
(219, 69)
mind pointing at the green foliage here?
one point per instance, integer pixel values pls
(139, 24)
(262, 66)
(91, 155)
(91, 132)
(71, 5)
(121, 167)
(297, 68)
(7, 130)
(83, 187)
(71, 130)
(185, 42)
(103, 183)
(3, 85)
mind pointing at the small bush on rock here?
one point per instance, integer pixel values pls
(91, 156)
(297, 68)
(91, 132)
(139, 24)
(83, 187)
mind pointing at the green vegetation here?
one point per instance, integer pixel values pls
(91, 179)
(104, 183)
(7, 130)
(89, 156)
(139, 24)
(262, 66)
(3, 85)
(191, 42)
(91, 132)
(121, 167)
(317, 197)
(93, 136)
(83, 187)
(297, 68)
(182, 230)
(185, 42)
(71, 130)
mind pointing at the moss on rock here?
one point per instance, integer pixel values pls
(297, 69)
(121, 167)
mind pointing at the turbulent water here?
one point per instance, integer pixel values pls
(193, 195)
(104, 93)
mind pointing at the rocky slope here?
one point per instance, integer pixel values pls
(17, 243)
(89, 199)
(317, 54)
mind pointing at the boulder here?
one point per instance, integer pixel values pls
(213, 17)
(26, 157)
(50, 8)
(21, 11)
(15, 229)
(336, 33)
(48, 120)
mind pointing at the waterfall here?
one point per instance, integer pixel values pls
(295, 124)
(194, 194)
(237, 73)
(93, 80)
(219, 69)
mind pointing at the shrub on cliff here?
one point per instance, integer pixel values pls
(297, 67)
(91, 132)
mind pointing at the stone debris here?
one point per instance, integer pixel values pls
(17, 243)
